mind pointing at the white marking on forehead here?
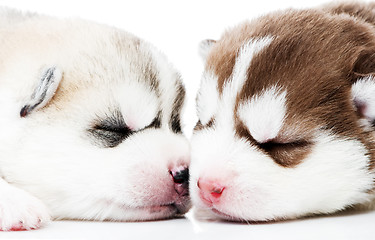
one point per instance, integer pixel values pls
(264, 114)
(244, 58)
(239, 75)
(207, 98)
(208, 101)
(138, 105)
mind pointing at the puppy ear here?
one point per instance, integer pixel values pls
(205, 47)
(364, 63)
(363, 97)
(363, 83)
(43, 93)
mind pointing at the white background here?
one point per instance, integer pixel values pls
(176, 28)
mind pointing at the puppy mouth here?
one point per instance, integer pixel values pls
(151, 210)
(178, 209)
(154, 209)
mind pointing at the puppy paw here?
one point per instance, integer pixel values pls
(21, 211)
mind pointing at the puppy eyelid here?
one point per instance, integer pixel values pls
(112, 131)
(291, 144)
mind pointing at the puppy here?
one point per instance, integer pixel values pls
(286, 116)
(90, 125)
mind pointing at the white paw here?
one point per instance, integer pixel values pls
(21, 211)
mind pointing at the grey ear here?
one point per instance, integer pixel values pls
(43, 93)
(205, 47)
(363, 97)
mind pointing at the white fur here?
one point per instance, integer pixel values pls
(264, 114)
(332, 177)
(142, 105)
(50, 154)
(363, 93)
(205, 47)
(207, 98)
(19, 209)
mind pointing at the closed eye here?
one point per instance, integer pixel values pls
(110, 135)
(111, 131)
(271, 145)
(287, 154)
(112, 128)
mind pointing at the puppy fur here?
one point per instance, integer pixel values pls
(90, 124)
(286, 124)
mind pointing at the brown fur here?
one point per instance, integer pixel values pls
(316, 56)
(199, 126)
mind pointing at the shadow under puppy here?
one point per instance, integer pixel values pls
(286, 114)
(89, 127)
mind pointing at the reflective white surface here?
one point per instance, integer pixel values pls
(353, 225)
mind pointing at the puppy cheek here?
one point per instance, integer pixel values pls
(150, 175)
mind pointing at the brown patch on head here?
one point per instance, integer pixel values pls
(363, 11)
(222, 56)
(117, 54)
(287, 154)
(315, 56)
(175, 120)
(199, 126)
(142, 60)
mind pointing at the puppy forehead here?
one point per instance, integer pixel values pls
(226, 92)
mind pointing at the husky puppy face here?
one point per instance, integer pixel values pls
(91, 121)
(286, 113)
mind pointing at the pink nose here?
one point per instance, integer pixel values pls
(210, 191)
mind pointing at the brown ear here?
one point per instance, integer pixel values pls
(365, 63)
(363, 97)
(363, 87)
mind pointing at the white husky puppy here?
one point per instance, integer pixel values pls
(89, 126)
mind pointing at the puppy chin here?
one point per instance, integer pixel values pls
(205, 214)
(213, 215)
(175, 208)
(149, 212)
(208, 212)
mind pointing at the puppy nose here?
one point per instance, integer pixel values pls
(210, 191)
(181, 176)
(181, 181)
